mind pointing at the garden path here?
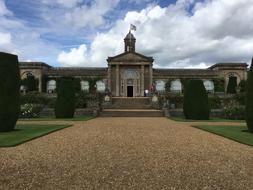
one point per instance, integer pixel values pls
(128, 153)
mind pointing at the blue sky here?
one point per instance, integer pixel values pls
(32, 14)
(177, 33)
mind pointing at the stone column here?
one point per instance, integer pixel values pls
(109, 76)
(117, 80)
(40, 83)
(150, 74)
(142, 80)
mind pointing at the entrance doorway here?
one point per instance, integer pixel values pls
(130, 91)
(130, 88)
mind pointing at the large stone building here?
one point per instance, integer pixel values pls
(129, 74)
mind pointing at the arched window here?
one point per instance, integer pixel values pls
(131, 74)
(100, 86)
(160, 85)
(85, 85)
(176, 86)
(209, 85)
(51, 86)
(29, 74)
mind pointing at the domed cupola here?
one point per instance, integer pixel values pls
(129, 42)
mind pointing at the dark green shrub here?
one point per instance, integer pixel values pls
(184, 82)
(161, 101)
(31, 83)
(34, 98)
(167, 86)
(219, 85)
(242, 86)
(234, 111)
(175, 100)
(65, 102)
(31, 110)
(77, 85)
(51, 103)
(249, 99)
(9, 91)
(196, 104)
(215, 102)
(240, 98)
(82, 99)
(232, 84)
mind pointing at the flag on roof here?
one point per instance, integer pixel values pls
(132, 27)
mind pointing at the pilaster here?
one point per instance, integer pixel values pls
(109, 77)
(117, 80)
(142, 80)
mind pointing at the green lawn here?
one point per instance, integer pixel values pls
(182, 119)
(24, 133)
(236, 133)
(79, 118)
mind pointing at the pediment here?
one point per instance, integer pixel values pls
(130, 57)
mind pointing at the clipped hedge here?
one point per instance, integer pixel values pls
(65, 102)
(34, 98)
(82, 99)
(9, 93)
(215, 102)
(249, 99)
(196, 104)
(242, 86)
(234, 111)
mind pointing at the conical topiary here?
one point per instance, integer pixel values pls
(232, 84)
(9, 91)
(249, 99)
(65, 102)
(196, 105)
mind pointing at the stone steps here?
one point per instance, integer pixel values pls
(132, 113)
(131, 103)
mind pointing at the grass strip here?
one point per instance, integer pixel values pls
(237, 133)
(24, 133)
(214, 119)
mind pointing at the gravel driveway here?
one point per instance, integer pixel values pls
(128, 153)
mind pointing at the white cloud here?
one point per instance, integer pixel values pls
(64, 3)
(5, 39)
(68, 3)
(214, 31)
(76, 57)
(92, 16)
(25, 41)
(3, 9)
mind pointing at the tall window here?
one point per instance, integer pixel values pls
(85, 86)
(209, 85)
(122, 86)
(176, 86)
(160, 85)
(51, 86)
(100, 86)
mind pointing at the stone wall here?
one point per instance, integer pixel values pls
(49, 112)
(219, 113)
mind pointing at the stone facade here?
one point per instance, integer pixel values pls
(129, 74)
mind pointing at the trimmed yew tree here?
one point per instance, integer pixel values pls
(249, 99)
(9, 91)
(65, 102)
(196, 105)
(232, 84)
